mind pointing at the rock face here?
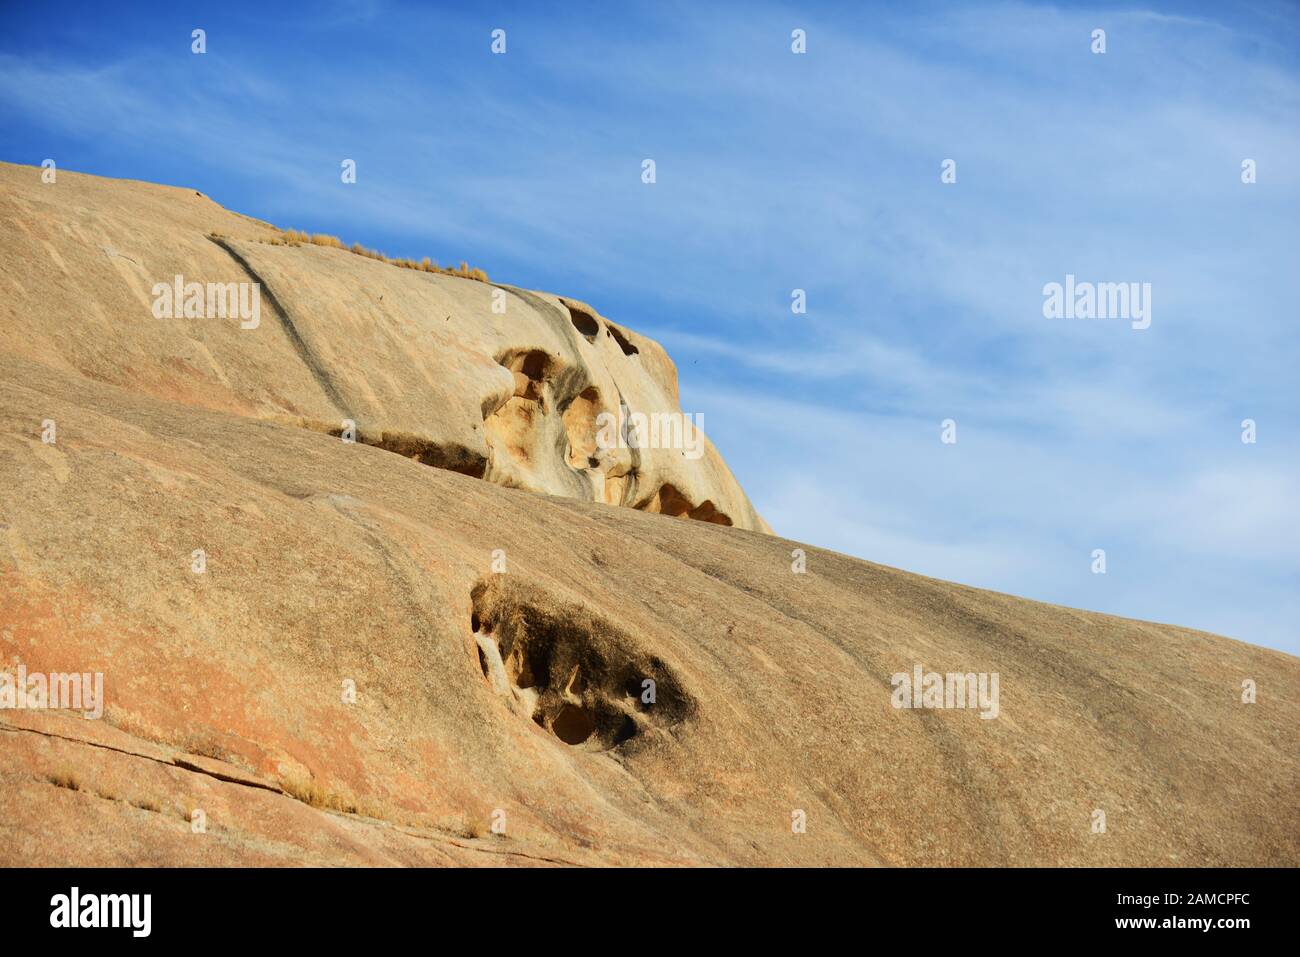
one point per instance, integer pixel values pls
(493, 381)
(328, 653)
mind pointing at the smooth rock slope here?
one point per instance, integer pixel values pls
(510, 695)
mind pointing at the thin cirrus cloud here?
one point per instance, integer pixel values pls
(817, 172)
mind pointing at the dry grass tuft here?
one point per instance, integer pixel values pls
(314, 794)
(296, 237)
(65, 779)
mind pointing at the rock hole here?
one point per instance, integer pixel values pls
(573, 724)
(534, 365)
(530, 370)
(584, 322)
(622, 340)
(517, 432)
(667, 500)
(529, 666)
(626, 729)
(570, 672)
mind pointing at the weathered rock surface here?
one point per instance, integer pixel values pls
(515, 697)
(419, 361)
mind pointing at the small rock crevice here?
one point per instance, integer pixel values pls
(440, 455)
(667, 500)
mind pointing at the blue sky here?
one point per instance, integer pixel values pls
(819, 171)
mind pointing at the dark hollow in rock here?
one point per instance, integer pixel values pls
(574, 724)
(583, 321)
(583, 675)
(621, 338)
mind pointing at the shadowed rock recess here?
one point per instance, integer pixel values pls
(444, 644)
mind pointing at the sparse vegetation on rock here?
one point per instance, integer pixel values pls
(295, 237)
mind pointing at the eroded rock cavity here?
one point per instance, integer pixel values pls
(573, 674)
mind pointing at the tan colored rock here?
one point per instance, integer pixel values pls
(419, 361)
(515, 697)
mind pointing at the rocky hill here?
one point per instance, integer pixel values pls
(443, 644)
